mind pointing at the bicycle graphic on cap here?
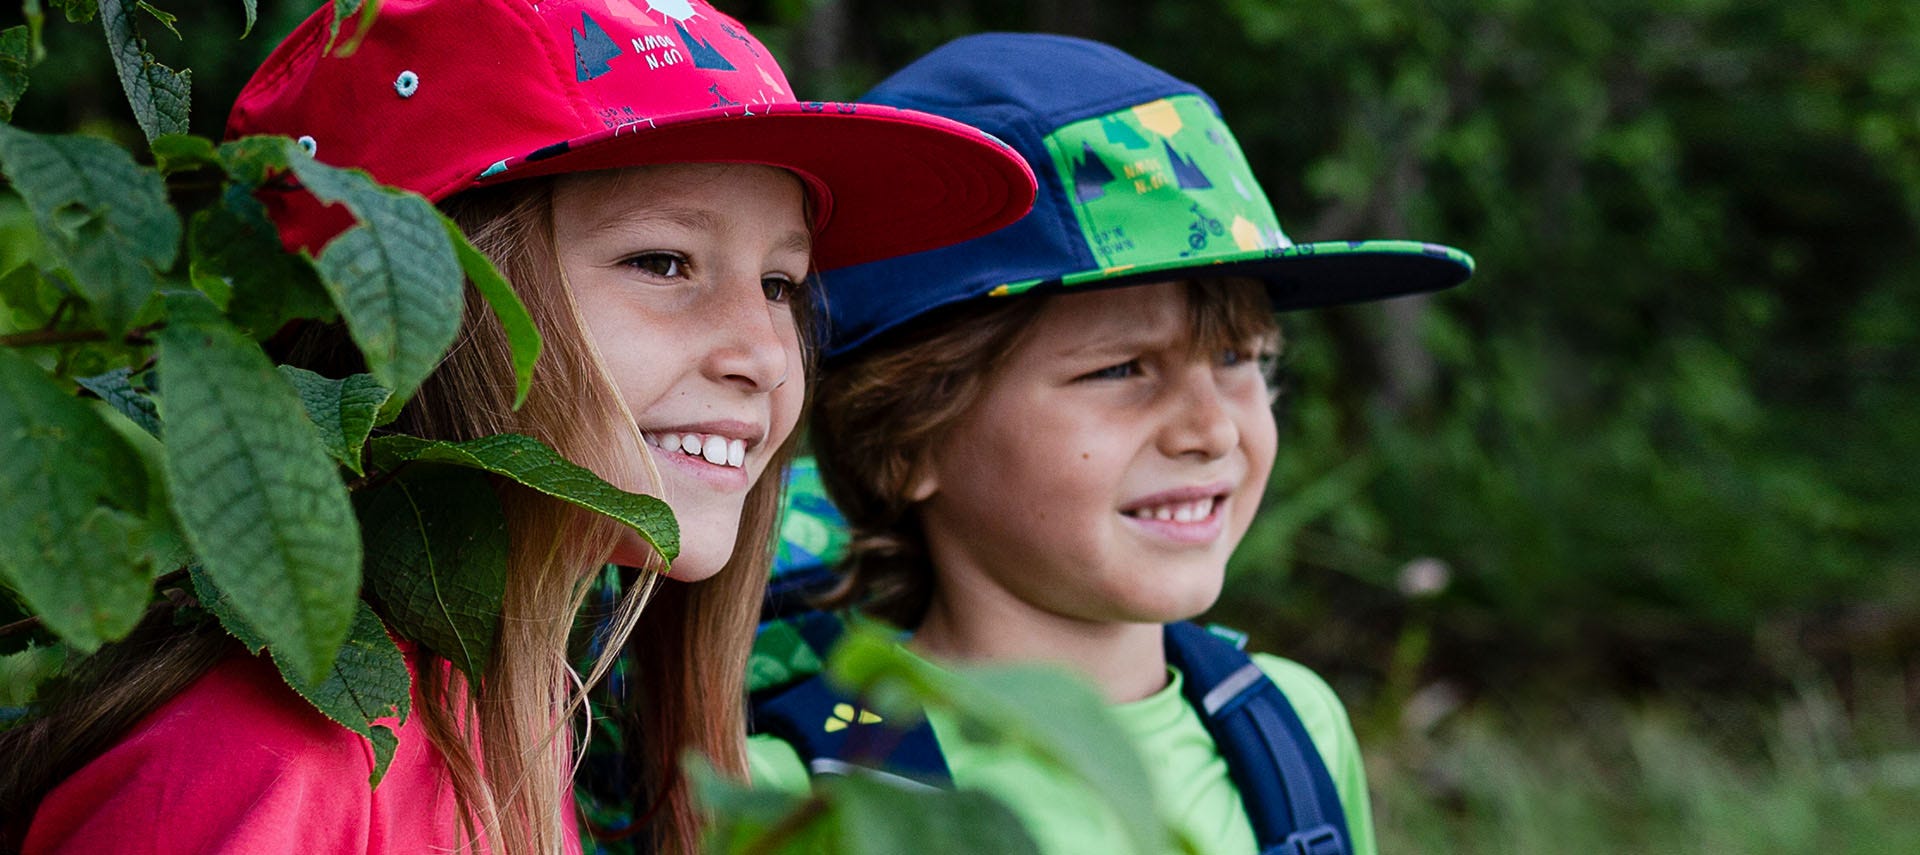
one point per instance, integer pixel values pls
(1198, 229)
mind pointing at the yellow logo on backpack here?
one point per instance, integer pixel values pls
(844, 716)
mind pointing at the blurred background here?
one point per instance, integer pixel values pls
(1612, 548)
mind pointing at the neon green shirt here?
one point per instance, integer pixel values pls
(1190, 779)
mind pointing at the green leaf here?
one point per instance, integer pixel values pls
(251, 160)
(160, 96)
(1059, 720)
(160, 540)
(165, 17)
(857, 814)
(253, 15)
(116, 388)
(436, 544)
(183, 152)
(523, 338)
(743, 815)
(344, 9)
(341, 409)
(105, 215)
(73, 498)
(30, 298)
(395, 276)
(530, 462)
(23, 672)
(385, 742)
(78, 11)
(36, 19)
(257, 496)
(366, 683)
(16, 56)
(876, 818)
(269, 287)
(217, 603)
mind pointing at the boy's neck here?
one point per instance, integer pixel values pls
(1125, 661)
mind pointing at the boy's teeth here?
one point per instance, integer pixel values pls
(1185, 512)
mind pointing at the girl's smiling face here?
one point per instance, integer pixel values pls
(684, 276)
(1109, 467)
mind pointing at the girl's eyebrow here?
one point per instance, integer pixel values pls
(691, 219)
(641, 213)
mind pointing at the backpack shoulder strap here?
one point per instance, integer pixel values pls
(1289, 796)
(834, 735)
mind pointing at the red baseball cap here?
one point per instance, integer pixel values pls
(445, 95)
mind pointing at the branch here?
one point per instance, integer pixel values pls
(45, 337)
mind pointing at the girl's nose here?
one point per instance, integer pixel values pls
(753, 339)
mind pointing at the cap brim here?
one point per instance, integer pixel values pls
(887, 181)
(1302, 276)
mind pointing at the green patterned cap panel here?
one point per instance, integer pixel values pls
(1162, 182)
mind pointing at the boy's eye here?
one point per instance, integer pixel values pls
(666, 265)
(779, 289)
(1119, 371)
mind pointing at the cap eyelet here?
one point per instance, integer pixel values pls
(406, 84)
(308, 145)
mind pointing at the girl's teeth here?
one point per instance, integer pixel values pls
(717, 450)
(1184, 513)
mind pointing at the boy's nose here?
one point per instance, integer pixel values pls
(1200, 423)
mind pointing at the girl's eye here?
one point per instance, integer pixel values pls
(779, 289)
(1120, 371)
(666, 265)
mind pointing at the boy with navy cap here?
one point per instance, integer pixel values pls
(1048, 440)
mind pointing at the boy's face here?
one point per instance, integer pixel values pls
(1109, 468)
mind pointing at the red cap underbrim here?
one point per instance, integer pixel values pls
(884, 181)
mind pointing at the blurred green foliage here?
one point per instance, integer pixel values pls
(1668, 434)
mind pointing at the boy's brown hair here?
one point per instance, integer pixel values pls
(880, 411)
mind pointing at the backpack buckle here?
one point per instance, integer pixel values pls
(1319, 840)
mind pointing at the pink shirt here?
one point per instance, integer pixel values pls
(239, 763)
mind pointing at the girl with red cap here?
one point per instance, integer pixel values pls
(643, 175)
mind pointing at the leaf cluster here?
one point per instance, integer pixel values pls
(148, 440)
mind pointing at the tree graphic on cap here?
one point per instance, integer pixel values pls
(593, 50)
(1090, 175)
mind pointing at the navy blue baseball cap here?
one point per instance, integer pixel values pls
(1140, 181)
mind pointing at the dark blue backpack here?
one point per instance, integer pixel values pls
(1289, 796)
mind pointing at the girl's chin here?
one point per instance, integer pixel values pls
(693, 565)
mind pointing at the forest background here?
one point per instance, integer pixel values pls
(1612, 548)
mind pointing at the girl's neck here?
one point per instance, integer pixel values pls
(1125, 661)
